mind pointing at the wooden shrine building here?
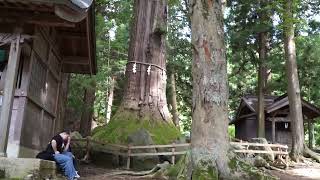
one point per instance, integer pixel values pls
(41, 41)
(277, 119)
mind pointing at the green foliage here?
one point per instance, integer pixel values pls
(179, 61)
(205, 171)
(118, 129)
(231, 131)
(113, 19)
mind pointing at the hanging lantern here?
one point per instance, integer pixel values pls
(149, 70)
(134, 68)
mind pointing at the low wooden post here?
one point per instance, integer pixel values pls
(88, 148)
(9, 89)
(129, 156)
(173, 156)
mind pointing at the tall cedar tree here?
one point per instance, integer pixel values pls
(209, 137)
(145, 97)
(293, 82)
(263, 38)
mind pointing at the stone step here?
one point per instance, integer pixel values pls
(28, 168)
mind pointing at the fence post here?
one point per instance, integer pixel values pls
(88, 148)
(173, 156)
(129, 155)
(287, 156)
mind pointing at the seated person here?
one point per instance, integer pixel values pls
(57, 151)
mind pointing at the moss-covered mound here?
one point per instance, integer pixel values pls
(117, 131)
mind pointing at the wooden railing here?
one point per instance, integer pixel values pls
(129, 150)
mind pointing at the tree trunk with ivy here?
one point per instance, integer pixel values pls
(87, 113)
(174, 100)
(209, 137)
(293, 83)
(110, 99)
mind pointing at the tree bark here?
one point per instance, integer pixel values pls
(262, 83)
(293, 83)
(110, 100)
(209, 137)
(145, 97)
(262, 74)
(86, 117)
(174, 100)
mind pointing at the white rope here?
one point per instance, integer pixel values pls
(147, 64)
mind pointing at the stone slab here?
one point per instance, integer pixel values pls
(21, 167)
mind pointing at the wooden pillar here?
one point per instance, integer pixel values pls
(311, 134)
(273, 130)
(9, 89)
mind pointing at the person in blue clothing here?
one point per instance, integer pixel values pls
(58, 150)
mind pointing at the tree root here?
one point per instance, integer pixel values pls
(150, 173)
(311, 154)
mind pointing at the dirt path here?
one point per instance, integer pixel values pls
(300, 172)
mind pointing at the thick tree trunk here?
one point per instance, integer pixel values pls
(209, 137)
(293, 83)
(174, 100)
(262, 83)
(146, 86)
(110, 100)
(86, 117)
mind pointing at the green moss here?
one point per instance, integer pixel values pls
(248, 171)
(118, 130)
(205, 172)
(233, 164)
(174, 170)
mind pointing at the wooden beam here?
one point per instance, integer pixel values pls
(280, 119)
(77, 60)
(278, 105)
(247, 115)
(71, 35)
(30, 17)
(273, 131)
(9, 88)
(89, 38)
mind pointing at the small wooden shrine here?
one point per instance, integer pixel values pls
(41, 41)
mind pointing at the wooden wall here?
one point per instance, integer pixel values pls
(46, 91)
(246, 129)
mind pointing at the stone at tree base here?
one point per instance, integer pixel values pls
(260, 162)
(75, 135)
(268, 157)
(142, 138)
